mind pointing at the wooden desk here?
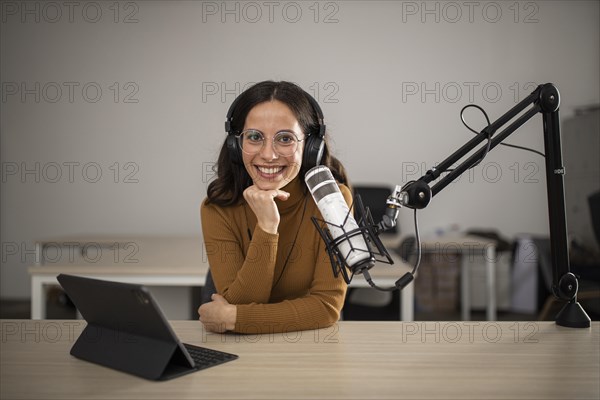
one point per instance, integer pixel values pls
(351, 360)
(158, 261)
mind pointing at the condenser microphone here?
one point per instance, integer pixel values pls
(346, 236)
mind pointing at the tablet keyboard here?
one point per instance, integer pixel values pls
(205, 358)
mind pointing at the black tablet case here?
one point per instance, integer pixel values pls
(126, 329)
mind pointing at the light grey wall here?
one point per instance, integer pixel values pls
(390, 76)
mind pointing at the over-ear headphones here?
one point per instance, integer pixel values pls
(314, 144)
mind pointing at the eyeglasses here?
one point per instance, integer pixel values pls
(285, 143)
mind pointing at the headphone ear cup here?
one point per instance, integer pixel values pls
(313, 151)
(235, 153)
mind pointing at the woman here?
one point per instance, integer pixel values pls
(267, 260)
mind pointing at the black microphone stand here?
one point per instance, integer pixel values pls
(545, 99)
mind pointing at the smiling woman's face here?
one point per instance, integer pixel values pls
(268, 169)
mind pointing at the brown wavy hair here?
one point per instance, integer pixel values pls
(232, 178)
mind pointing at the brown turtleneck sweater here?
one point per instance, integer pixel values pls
(247, 265)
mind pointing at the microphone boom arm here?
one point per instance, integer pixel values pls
(545, 99)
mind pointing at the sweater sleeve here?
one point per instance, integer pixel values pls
(242, 277)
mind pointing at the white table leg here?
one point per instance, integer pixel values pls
(38, 298)
(490, 271)
(465, 293)
(407, 298)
